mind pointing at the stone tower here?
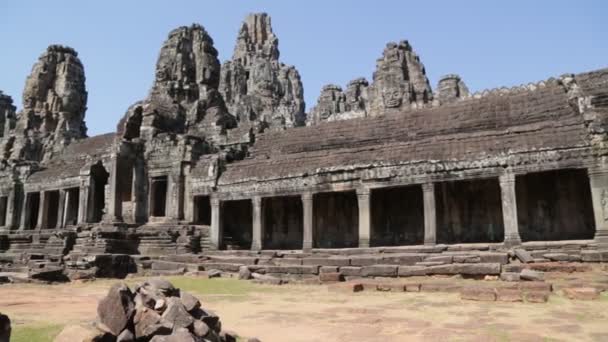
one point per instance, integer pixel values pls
(258, 89)
(54, 106)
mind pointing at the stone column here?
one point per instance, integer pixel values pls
(307, 220)
(258, 224)
(23, 218)
(11, 208)
(43, 210)
(83, 203)
(216, 223)
(364, 201)
(509, 209)
(61, 207)
(114, 210)
(598, 180)
(138, 192)
(430, 214)
(174, 200)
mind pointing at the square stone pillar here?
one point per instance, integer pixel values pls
(83, 203)
(430, 214)
(12, 207)
(25, 212)
(364, 201)
(138, 192)
(258, 224)
(43, 210)
(114, 210)
(174, 209)
(598, 180)
(216, 223)
(307, 220)
(61, 207)
(509, 209)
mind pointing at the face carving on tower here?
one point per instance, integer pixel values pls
(392, 97)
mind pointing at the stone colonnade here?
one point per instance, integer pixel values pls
(599, 190)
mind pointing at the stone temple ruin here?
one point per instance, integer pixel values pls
(220, 166)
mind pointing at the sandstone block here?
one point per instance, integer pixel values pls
(412, 287)
(581, 293)
(328, 269)
(509, 276)
(478, 294)
(501, 258)
(379, 271)
(557, 256)
(509, 295)
(527, 274)
(365, 260)
(523, 255)
(591, 256)
(537, 296)
(402, 258)
(332, 261)
(410, 271)
(351, 271)
(535, 286)
(330, 277)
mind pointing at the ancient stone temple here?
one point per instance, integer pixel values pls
(223, 157)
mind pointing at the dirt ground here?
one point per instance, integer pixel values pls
(312, 313)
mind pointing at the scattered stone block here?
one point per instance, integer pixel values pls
(190, 302)
(537, 296)
(430, 287)
(176, 314)
(331, 261)
(213, 273)
(515, 268)
(523, 255)
(478, 294)
(244, 273)
(509, 295)
(116, 308)
(581, 293)
(527, 274)
(392, 287)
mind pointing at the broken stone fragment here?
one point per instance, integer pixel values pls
(176, 314)
(244, 273)
(200, 328)
(126, 336)
(148, 323)
(523, 255)
(189, 301)
(116, 308)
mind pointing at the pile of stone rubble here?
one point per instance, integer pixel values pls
(156, 311)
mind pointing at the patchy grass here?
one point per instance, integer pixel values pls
(35, 332)
(219, 288)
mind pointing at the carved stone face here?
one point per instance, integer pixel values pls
(263, 80)
(392, 97)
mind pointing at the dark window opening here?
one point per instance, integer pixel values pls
(32, 207)
(99, 180)
(238, 227)
(52, 209)
(202, 210)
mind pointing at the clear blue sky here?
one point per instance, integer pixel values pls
(489, 43)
